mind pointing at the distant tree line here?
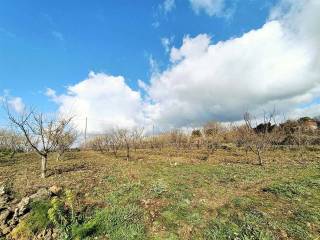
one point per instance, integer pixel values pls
(256, 136)
(44, 134)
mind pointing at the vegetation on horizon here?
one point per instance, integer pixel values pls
(250, 181)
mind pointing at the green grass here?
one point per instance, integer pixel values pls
(35, 222)
(295, 189)
(118, 223)
(38, 219)
(154, 199)
(188, 190)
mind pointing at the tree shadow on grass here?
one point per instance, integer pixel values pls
(66, 169)
(7, 162)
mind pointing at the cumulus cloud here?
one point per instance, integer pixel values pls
(275, 66)
(107, 101)
(191, 48)
(17, 104)
(14, 103)
(210, 7)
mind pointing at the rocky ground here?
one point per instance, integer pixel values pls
(13, 211)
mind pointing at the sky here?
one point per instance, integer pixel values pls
(168, 63)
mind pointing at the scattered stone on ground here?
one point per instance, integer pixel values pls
(55, 190)
(12, 211)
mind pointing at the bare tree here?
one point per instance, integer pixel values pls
(177, 138)
(212, 134)
(125, 137)
(12, 142)
(196, 136)
(114, 141)
(137, 137)
(157, 141)
(100, 143)
(65, 141)
(42, 134)
(257, 137)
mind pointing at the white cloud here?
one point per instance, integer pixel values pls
(276, 65)
(210, 7)
(17, 104)
(154, 67)
(143, 85)
(51, 93)
(168, 5)
(166, 43)
(14, 103)
(106, 100)
(165, 7)
(191, 48)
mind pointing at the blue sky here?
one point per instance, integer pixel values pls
(55, 44)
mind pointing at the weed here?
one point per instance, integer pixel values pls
(36, 221)
(288, 190)
(126, 193)
(110, 179)
(116, 223)
(236, 230)
(158, 188)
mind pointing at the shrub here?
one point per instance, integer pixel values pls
(62, 214)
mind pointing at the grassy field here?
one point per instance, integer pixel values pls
(175, 195)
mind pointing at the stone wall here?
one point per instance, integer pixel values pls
(13, 211)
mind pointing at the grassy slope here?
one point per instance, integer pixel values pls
(177, 196)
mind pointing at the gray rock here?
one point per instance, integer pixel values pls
(13, 221)
(4, 200)
(2, 226)
(4, 216)
(22, 207)
(3, 190)
(55, 190)
(6, 230)
(9, 218)
(41, 194)
(55, 233)
(46, 234)
(41, 234)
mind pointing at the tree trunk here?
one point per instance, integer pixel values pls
(59, 155)
(114, 149)
(128, 152)
(43, 166)
(259, 158)
(247, 158)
